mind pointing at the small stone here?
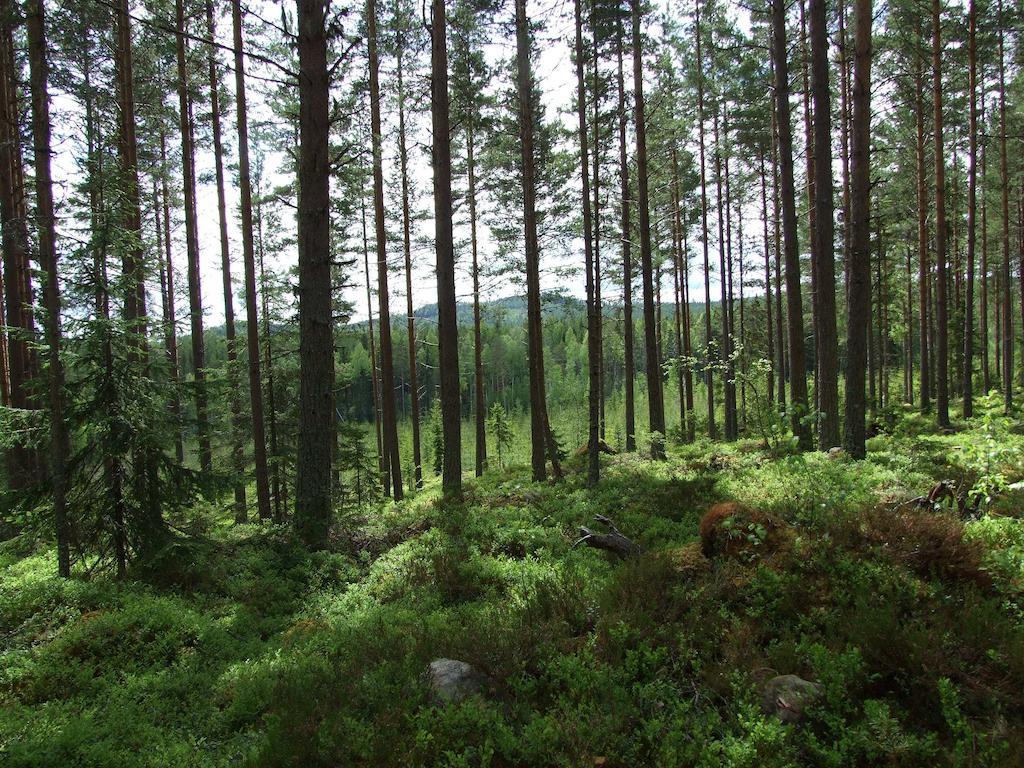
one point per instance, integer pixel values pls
(836, 453)
(788, 696)
(452, 681)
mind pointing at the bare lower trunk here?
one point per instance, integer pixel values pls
(237, 455)
(860, 233)
(797, 375)
(60, 444)
(259, 440)
(627, 264)
(941, 304)
(313, 505)
(447, 320)
(655, 398)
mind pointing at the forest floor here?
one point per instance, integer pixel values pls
(252, 651)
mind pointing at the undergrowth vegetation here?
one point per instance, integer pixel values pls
(243, 648)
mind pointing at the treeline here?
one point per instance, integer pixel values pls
(777, 212)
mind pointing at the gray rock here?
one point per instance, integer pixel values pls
(836, 452)
(788, 696)
(452, 681)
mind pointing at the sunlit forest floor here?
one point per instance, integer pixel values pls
(245, 649)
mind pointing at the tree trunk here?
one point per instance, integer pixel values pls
(859, 264)
(983, 324)
(237, 455)
(770, 338)
(599, 308)
(708, 375)
(535, 350)
(403, 156)
(21, 460)
(824, 251)
(655, 399)
(593, 349)
(780, 344)
(447, 319)
(150, 527)
(313, 507)
(382, 458)
(60, 443)
(795, 320)
(277, 488)
(259, 440)
(1004, 176)
(192, 240)
(924, 269)
(170, 321)
(967, 375)
(941, 305)
(389, 423)
(725, 353)
(627, 263)
(678, 266)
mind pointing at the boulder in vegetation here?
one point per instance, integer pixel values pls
(788, 696)
(452, 681)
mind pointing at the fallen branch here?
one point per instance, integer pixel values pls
(615, 542)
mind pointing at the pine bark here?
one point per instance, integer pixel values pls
(967, 375)
(924, 269)
(237, 454)
(389, 423)
(21, 461)
(447, 320)
(170, 322)
(252, 320)
(655, 396)
(60, 444)
(627, 260)
(709, 382)
(941, 303)
(795, 319)
(828, 353)
(1004, 177)
(403, 156)
(593, 349)
(859, 264)
(313, 505)
(195, 298)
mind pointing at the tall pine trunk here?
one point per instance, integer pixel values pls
(709, 381)
(1004, 177)
(593, 348)
(787, 186)
(237, 454)
(827, 384)
(21, 460)
(313, 505)
(447, 319)
(403, 157)
(389, 423)
(941, 304)
(170, 321)
(860, 233)
(252, 327)
(627, 262)
(195, 299)
(655, 397)
(924, 270)
(60, 443)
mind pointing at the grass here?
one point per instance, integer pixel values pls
(252, 651)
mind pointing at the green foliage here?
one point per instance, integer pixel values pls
(252, 650)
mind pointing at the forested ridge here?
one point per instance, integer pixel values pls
(590, 383)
